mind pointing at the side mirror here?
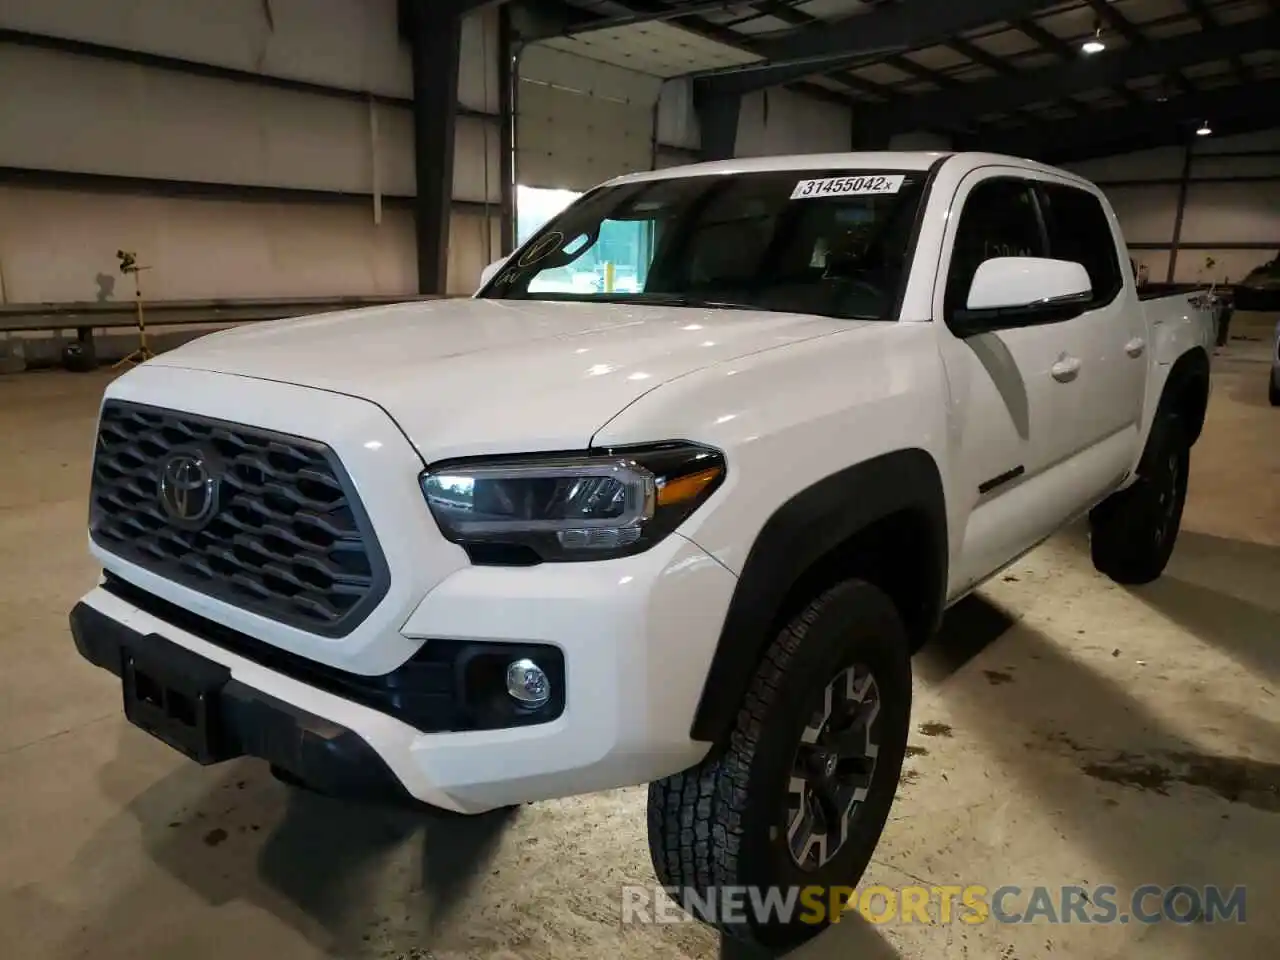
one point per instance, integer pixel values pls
(491, 271)
(1023, 292)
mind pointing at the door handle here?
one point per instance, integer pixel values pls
(1135, 347)
(1066, 369)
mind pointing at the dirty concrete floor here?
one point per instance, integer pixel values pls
(1068, 731)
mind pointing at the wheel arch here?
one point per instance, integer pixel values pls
(1186, 392)
(883, 520)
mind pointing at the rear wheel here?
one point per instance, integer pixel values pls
(801, 794)
(1274, 392)
(1133, 532)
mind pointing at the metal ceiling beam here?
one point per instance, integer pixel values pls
(1133, 36)
(644, 11)
(1208, 20)
(1079, 75)
(1172, 119)
(798, 53)
(1064, 51)
(1049, 41)
(797, 18)
(1117, 21)
(978, 55)
(912, 69)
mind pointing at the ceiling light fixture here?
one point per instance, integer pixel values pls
(1094, 44)
(1204, 129)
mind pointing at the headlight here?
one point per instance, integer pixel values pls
(591, 506)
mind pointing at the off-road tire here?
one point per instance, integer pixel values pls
(1133, 532)
(1273, 393)
(722, 823)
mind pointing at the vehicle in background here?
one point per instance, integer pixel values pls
(557, 539)
(1274, 391)
(1260, 289)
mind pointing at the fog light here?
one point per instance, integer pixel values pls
(527, 683)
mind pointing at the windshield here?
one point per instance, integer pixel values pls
(833, 243)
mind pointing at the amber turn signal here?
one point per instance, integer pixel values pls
(684, 489)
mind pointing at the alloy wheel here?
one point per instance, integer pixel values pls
(833, 768)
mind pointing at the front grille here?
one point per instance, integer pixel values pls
(284, 535)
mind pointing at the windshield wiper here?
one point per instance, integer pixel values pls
(682, 300)
(672, 300)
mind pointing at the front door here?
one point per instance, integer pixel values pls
(1007, 386)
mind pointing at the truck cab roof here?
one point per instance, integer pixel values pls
(869, 160)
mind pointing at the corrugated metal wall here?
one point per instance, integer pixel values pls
(781, 121)
(124, 147)
(1230, 212)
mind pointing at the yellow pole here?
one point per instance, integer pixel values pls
(143, 353)
(610, 277)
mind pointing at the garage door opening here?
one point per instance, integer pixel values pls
(617, 260)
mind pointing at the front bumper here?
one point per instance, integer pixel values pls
(328, 756)
(636, 634)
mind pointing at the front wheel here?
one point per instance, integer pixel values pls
(1274, 392)
(796, 803)
(1133, 532)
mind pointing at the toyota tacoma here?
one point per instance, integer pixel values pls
(684, 530)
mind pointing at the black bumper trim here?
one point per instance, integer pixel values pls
(434, 691)
(326, 756)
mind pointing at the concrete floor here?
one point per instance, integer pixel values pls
(1081, 733)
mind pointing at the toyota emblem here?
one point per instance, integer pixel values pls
(188, 490)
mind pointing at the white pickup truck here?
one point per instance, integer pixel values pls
(559, 537)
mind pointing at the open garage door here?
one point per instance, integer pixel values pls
(581, 121)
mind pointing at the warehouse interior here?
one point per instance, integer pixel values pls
(266, 159)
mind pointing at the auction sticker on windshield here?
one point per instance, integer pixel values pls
(847, 186)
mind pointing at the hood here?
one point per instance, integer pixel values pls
(464, 377)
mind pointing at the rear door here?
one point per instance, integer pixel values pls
(1100, 425)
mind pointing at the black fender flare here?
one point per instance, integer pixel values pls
(1186, 393)
(807, 528)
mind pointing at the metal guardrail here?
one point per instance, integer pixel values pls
(87, 316)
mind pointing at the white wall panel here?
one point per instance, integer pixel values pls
(348, 44)
(1160, 163)
(677, 118)
(1157, 264)
(1232, 213)
(58, 245)
(580, 121)
(1146, 213)
(87, 115)
(478, 66)
(470, 251)
(352, 44)
(1228, 265)
(1243, 212)
(1261, 140)
(1211, 165)
(475, 139)
(780, 121)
